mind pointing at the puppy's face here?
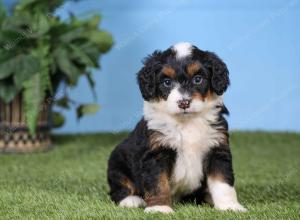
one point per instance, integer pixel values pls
(182, 80)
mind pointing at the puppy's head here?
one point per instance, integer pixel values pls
(182, 79)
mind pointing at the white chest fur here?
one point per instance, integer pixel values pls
(192, 137)
(195, 139)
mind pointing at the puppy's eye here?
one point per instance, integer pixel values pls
(197, 80)
(167, 82)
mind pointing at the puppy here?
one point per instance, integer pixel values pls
(179, 150)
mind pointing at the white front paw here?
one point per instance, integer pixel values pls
(159, 208)
(231, 206)
(132, 202)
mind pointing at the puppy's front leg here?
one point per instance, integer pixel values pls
(156, 167)
(220, 180)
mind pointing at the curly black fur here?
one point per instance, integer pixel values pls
(148, 76)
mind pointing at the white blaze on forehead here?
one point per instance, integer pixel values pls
(182, 49)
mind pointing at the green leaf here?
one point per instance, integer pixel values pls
(21, 66)
(102, 39)
(72, 34)
(6, 63)
(58, 120)
(63, 102)
(42, 54)
(3, 12)
(44, 6)
(28, 25)
(25, 3)
(39, 85)
(92, 52)
(8, 92)
(20, 23)
(79, 55)
(4, 71)
(40, 25)
(94, 22)
(91, 83)
(87, 109)
(34, 95)
(66, 65)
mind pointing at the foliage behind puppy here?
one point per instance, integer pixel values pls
(179, 151)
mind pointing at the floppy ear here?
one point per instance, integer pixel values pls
(147, 75)
(219, 73)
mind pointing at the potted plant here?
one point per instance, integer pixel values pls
(40, 53)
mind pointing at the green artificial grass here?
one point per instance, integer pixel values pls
(69, 182)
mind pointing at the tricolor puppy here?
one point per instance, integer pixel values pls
(179, 151)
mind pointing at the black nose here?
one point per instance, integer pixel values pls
(184, 103)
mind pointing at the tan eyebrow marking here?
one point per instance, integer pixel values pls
(169, 71)
(193, 68)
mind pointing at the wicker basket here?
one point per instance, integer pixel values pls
(14, 134)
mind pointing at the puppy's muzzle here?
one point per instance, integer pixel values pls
(184, 103)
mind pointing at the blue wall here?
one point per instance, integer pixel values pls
(259, 41)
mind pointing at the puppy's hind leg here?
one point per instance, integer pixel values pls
(123, 191)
